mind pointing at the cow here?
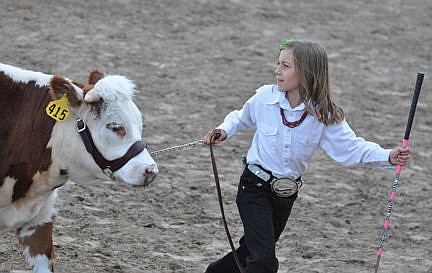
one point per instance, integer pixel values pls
(53, 130)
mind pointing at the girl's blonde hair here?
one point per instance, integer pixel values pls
(311, 65)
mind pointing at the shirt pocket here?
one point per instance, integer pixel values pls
(268, 135)
(305, 145)
(267, 130)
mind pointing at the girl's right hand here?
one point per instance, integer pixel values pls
(214, 137)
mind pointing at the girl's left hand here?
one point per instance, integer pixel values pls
(399, 156)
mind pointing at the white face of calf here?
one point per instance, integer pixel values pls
(115, 124)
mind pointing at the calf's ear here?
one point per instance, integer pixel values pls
(80, 85)
(94, 76)
(60, 86)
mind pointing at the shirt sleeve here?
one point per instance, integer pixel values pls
(340, 143)
(239, 120)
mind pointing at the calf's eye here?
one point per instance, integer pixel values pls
(117, 128)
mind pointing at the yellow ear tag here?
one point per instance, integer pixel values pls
(58, 109)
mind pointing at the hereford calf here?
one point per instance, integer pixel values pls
(53, 130)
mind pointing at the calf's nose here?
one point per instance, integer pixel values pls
(150, 174)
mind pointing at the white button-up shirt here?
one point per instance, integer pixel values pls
(285, 151)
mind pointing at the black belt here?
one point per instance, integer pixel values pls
(283, 187)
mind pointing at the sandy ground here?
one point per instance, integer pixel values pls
(193, 62)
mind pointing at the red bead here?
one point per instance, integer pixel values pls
(292, 124)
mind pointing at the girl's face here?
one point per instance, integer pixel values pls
(286, 75)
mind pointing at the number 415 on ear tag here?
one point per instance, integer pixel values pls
(58, 109)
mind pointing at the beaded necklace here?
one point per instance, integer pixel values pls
(292, 124)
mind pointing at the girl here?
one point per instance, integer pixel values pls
(292, 118)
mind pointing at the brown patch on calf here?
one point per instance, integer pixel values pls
(20, 172)
(87, 88)
(94, 76)
(40, 242)
(60, 86)
(80, 85)
(25, 130)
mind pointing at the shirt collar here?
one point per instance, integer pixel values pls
(278, 97)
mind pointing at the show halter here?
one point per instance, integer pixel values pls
(108, 167)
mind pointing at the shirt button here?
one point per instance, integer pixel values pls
(286, 145)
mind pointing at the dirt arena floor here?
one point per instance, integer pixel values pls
(194, 61)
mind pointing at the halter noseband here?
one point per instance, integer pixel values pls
(108, 167)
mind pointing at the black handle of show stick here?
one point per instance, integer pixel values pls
(417, 88)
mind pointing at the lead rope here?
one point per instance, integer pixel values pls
(178, 147)
(218, 189)
(216, 177)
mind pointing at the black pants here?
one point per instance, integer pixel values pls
(264, 216)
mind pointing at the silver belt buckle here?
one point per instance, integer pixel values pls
(282, 187)
(285, 187)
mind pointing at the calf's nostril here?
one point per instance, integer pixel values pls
(150, 171)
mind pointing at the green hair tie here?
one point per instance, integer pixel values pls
(286, 41)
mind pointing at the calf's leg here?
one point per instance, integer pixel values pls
(37, 247)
